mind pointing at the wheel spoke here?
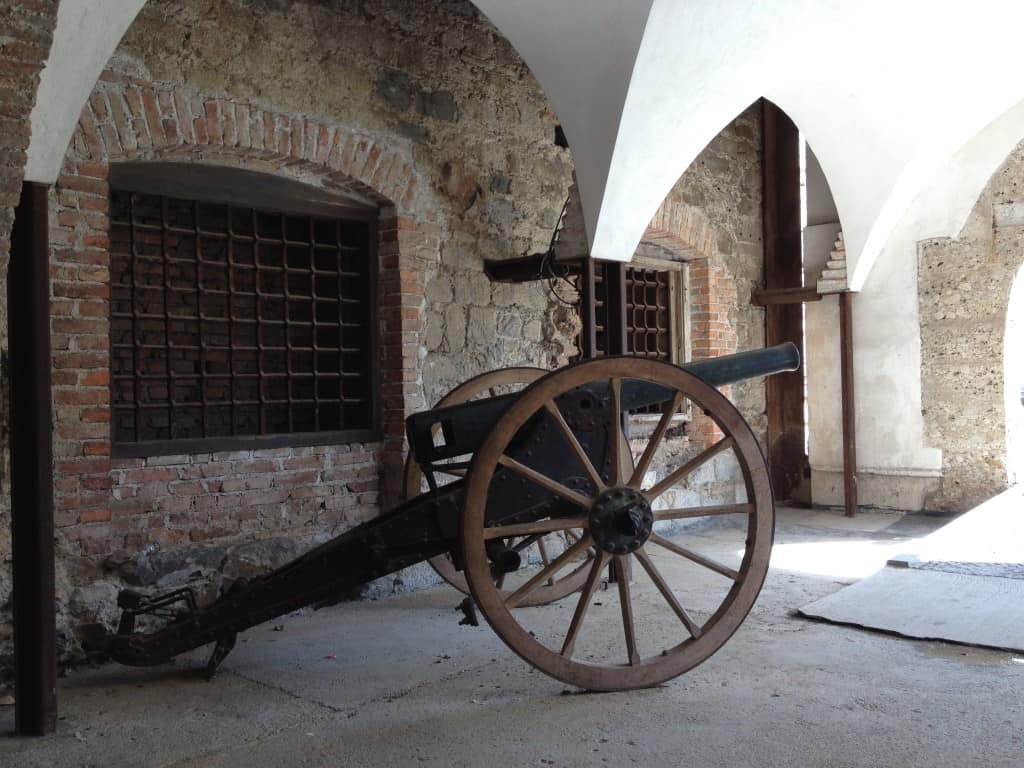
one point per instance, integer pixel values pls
(666, 591)
(545, 559)
(527, 542)
(615, 430)
(574, 443)
(689, 554)
(626, 603)
(539, 526)
(682, 513)
(680, 472)
(547, 572)
(584, 603)
(545, 482)
(652, 444)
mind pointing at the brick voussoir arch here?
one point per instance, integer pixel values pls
(712, 290)
(126, 119)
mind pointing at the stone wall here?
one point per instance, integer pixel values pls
(964, 289)
(421, 107)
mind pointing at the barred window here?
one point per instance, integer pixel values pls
(636, 309)
(232, 325)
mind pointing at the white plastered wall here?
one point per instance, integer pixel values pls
(896, 468)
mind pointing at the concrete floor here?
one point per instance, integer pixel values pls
(397, 682)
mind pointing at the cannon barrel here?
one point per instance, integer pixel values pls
(729, 369)
(457, 430)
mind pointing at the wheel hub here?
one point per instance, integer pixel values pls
(621, 520)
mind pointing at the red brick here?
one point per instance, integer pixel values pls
(83, 184)
(95, 515)
(153, 118)
(96, 415)
(96, 482)
(95, 379)
(82, 466)
(212, 123)
(143, 476)
(80, 396)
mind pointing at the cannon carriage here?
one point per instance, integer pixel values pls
(526, 490)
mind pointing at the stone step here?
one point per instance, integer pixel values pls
(831, 286)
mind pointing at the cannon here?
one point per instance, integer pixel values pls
(531, 491)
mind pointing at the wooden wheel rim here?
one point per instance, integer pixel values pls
(442, 564)
(734, 607)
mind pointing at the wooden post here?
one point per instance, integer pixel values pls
(28, 327)
(589, 333)
(783, 272)
(615, 333)
(849, 417)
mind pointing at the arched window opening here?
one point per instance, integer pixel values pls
(242, 311)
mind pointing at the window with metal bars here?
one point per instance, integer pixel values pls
(233, 326)
(634, 309)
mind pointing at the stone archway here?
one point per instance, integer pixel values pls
(1013, 381)
(970, 292)
(104, 504)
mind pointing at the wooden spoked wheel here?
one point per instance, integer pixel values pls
(690, 590)
(539, 549)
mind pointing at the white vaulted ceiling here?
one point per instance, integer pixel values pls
(889, 93)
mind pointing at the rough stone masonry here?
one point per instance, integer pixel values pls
(422, 108)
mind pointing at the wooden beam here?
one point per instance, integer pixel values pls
(849, 416)
(762, 297)
(615, 333)
(784, 289)
(28, 331)
(588, 286)
(525, 269)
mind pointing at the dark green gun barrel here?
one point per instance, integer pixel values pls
(463, 427)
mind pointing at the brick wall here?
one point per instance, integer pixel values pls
(105, 504)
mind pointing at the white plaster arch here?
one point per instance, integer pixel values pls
(892, 441)
(885, 91)
(85, 38)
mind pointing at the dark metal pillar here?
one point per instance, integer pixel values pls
(28, 327)
(783, 271)
(849, 417)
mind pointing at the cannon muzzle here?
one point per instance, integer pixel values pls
(729, 369)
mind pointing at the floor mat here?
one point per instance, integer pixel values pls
(931, 605)
(964, 583)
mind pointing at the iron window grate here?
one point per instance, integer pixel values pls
(231, 322)
(648, 317)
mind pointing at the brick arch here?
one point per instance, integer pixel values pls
(684, 229)
(681, 227)
(104, 504)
